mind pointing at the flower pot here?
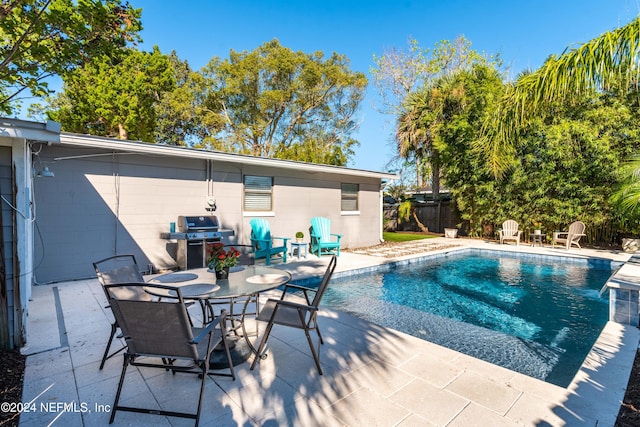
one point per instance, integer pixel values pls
(537, 231)
(222, 274)
(450, 233)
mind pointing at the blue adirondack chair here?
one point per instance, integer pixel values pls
(262, 241)
(321, 237)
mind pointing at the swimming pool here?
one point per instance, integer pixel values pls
(536, 315)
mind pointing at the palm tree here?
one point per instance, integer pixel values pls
(419, 127)
(607, 60)
(628, 195)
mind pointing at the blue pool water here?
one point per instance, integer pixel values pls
(538, 316)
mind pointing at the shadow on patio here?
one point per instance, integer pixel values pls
(373, 375)
(69, 325)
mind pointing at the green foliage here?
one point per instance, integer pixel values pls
(597, 65)
(398, 73)
(274, 102)
(626, 198)
(404, 237)
(41, 38)
(404, 211)
(270, 102)
(182, 119)
(565, 168)
(115, 98)
(429, 81)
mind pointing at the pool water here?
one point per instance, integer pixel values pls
(538, 316)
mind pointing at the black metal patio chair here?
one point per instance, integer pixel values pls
(162, 329)
(115, 270)
(295, 314)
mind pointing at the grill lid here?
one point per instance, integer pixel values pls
(198, 223)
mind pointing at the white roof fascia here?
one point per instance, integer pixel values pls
(48, 132)
(169, 150)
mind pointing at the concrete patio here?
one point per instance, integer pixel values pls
(373, 376)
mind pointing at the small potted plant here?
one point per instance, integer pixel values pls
(536, 227)
(299, 236)
(220, 260)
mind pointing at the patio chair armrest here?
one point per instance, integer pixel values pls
(265, 241)
(253, 239)
(299, 287)
(560, 233)
(284, 239)
(204, 332)
(293, 304)
(304, 290)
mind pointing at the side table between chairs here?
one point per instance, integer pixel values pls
(299, 246)
(538, 238)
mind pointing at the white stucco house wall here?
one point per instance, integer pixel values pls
(81, 198)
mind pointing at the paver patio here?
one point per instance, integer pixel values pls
(373, 376)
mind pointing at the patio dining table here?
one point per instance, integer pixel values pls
(245, 283)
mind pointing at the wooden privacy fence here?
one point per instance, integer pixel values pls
(436, 216)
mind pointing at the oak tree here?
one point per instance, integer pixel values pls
(275, 102)
(115, 98)
(43, 38)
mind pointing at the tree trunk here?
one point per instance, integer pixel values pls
(420, 225)
(122, 132)
(435, 176)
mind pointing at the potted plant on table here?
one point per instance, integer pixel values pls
(299, 236)
(220, 259)
(536, 227)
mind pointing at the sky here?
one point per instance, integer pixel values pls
(523, 32)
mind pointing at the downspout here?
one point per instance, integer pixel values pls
(381, 207)
(383, 185)
(19, 331)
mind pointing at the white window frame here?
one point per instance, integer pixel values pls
(257, 191)
(349, 197)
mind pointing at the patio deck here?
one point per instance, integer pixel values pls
(373, 376)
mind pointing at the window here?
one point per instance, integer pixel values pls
(258, 193)
(349, 200)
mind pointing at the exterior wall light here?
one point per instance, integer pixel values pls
(45, 173)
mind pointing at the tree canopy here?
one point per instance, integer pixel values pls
(416, 86)
(270, 102)
(599, 64)
(559, 135)
(398, 73)
(115, 97)
(42, 38)
(182, 118)
(275, 102)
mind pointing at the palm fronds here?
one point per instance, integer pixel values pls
(612, 58)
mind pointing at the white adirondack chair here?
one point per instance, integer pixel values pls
(571, 237)
(510, 232)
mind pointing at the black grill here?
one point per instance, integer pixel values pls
(199, 232)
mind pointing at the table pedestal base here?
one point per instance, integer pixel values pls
(239, 350)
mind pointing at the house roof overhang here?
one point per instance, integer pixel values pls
(48, 132)
(125, 146)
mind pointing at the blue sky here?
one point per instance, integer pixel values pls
(523, 32)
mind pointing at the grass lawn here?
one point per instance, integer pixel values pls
(405, 237)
